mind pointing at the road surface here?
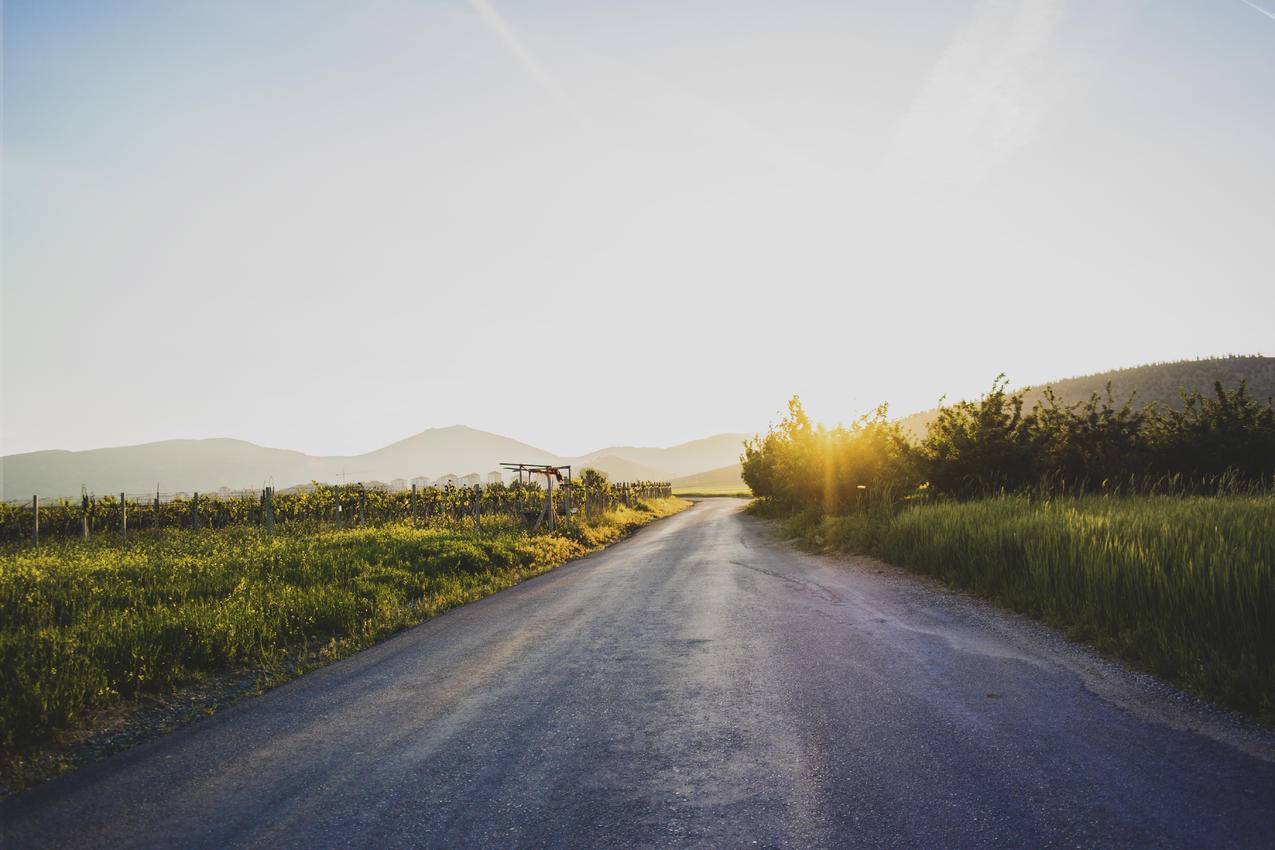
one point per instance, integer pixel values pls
(698, 684)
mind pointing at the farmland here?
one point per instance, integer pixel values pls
(316, 506)
(91, 623)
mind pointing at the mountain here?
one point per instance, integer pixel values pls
(172, 465)
(685, 459)
(206, 465)
(726, 478)
(619, 469)
(437, 451)
(1155, 382)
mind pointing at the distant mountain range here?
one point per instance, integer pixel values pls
(1160, 383)
(710, 463)
(206, 465)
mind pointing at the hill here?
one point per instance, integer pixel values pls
(438, 451)
(206, 465)
(172, 465)
(1158, 383)
(681, 460)
(619, 469)
(727, 478)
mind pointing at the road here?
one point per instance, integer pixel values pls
(698, 684)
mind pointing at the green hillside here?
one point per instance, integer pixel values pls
(1158, 383)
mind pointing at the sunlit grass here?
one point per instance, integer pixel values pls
(84, 624)
(1181, 586)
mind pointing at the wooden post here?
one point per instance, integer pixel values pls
(269, 509)
(84, 516)
(413, 506)
(35, 516)
(544, 511)
(478, 508)
(553, 515)
(362, 505)
(123, 519)
(155, 522)
(194, 511)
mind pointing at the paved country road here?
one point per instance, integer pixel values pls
(698, 684)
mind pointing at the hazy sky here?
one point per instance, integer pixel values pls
(326, 226)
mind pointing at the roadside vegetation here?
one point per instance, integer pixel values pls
(1147, 532)
(1154, 383)
(91, 623)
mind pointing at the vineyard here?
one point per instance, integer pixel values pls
(223, 585)
(320, 505)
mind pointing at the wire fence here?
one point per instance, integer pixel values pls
(340, 506)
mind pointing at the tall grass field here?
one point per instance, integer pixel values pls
(84, 624)
(1183, 587)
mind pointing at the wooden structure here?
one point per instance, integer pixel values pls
(551, 474)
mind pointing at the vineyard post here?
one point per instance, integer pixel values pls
(413, 506)
(544, 508)
(35, 526)
(84, 515)
(553, 514)
(478, 507)
(123, 519)
(362, 505)
(156, 520)
(269, 494)
(194, 512)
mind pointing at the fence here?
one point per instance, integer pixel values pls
(341, 506)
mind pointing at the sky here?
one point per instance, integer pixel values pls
(326, 226)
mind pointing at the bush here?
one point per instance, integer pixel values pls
(1218, 443)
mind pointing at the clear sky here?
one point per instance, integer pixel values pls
(326, 226)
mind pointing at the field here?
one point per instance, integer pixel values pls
(709, 492)
(1183, 587)
(88, 624)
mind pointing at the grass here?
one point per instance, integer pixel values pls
(710, 492)
(1183, 587)
(90, 624)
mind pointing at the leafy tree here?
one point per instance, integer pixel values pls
(974, 447)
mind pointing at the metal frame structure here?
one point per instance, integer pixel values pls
(550, 473)
(537, 469)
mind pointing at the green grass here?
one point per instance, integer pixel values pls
(711, 492)
(88, 624)
(1183, 587)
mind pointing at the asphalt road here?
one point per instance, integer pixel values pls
(698, 684)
